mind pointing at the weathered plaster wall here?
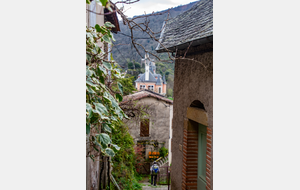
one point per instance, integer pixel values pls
(159, 123)
(192, 82)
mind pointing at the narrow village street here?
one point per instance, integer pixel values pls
(148, 186)
(129, 105)
(158, 187)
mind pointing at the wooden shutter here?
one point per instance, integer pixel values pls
(144, 128)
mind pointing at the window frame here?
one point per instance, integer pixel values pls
(151, 86)
(142, 86)
(141, 125)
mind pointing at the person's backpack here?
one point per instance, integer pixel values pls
(155, 169)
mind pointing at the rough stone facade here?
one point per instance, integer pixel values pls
(159, 127)
(193, 81)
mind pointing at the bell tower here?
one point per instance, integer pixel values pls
(147, 61)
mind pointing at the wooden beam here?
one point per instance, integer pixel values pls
(198, 115)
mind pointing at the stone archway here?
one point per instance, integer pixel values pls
(194, 147)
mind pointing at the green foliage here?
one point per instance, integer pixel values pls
(124, 160)
(127, 56)
(109, 25)
(164, 182)
(133, 65)
(126, 85)
(102, 108)
(163, 151)
(123, 52)
(134, 69)
(137, 65)
(169, 92)
(120, 87)
(104, 3)
(109, 152)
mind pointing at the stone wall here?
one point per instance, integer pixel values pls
(192, 82)
(159, 123)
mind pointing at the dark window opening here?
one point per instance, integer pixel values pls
(150, 87)
(197, 104)
(142, 87)
(144, 128)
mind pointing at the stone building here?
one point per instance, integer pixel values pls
(190, 36)
(154, 128)
(150, 80)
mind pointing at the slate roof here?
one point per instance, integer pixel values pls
(142, 78)
(143, 94)
(158, 82)
(195, 24)
(151, 78)
(152, 67)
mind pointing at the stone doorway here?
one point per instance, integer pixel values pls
(194, 149)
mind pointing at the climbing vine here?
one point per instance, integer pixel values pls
(102, 103)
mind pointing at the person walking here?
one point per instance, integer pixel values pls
(154, 171)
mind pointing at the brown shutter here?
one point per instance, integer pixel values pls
(144, 128)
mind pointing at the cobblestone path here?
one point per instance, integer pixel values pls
(158, 187)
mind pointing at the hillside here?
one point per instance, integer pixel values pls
(122, 53)
(127, 57)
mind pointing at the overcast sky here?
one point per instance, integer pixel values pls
(150, 5)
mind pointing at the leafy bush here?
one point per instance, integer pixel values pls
(170, 98)
(127, 84)
(170, 92)
(124, 161)
(163, 151)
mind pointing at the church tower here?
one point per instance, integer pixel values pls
(150, 80)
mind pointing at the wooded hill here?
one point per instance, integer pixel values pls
(126, 56)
